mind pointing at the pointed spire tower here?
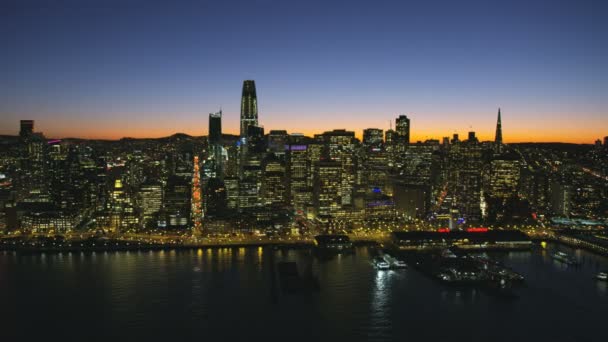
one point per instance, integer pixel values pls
(498, 138)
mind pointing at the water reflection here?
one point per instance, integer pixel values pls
(380, 313)
(602, 287)
(459, 296)
(202, 288)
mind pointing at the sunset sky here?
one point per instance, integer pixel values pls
(108, 69)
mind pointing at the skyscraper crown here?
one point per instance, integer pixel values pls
(249, 107)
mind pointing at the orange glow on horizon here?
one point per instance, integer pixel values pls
(512, 137)
(535, 128)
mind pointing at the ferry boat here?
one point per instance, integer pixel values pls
(334, 244)
(565, 258)
(380, 263)
(603, 275)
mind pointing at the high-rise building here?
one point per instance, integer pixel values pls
(251, 143)
(277, 140)
(340, 147)
(561, 198)
(215, 197)
(249, 187)
(249, 107)
(498, 138)
(36, 167)
(472, 137)
(215, 128)
(298, 175)
(150, 199)
(256, 144)
(177, 202)
(389, 137)
(215, 142)
(122, 215)
(465, 178)
(501, 178)
(402, 126)
(231, 184)
(327, 187)
(26, 128)
(372, 137)
(274, 183)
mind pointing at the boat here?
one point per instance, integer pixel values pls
(333, 244)
(603, 275)
(380, 263)
(394, 262)
(565, 258)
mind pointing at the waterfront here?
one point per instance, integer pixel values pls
(231, 293)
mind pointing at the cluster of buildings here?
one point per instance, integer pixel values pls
(280, 183)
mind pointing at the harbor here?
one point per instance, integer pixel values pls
(201, 288)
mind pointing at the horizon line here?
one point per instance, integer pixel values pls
(305, 135)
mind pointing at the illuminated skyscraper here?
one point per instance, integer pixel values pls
(277, 140)
(502, 176)
(215, 142)
(402, 126)
(372, 137)
(298, 175)
(274, 182)
(249, 107)
(327, 186)
(150, 200)
(177, 202)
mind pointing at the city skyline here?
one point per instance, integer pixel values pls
(486, 134)
(133, 70)
(319, 170)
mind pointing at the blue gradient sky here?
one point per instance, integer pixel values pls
(152, 68)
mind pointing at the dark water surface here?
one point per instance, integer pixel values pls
(231, 294)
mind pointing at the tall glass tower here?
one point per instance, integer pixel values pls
(215, 127)
(215, 141)
(249, 107)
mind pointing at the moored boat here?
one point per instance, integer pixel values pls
(565, 258)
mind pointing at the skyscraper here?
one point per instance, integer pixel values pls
(498, 138)
(150, 200)
(26, 128)
(215, 127)
(249, 107)
(372, 137)
(215, 142)
(402, 126)
(472, 137)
